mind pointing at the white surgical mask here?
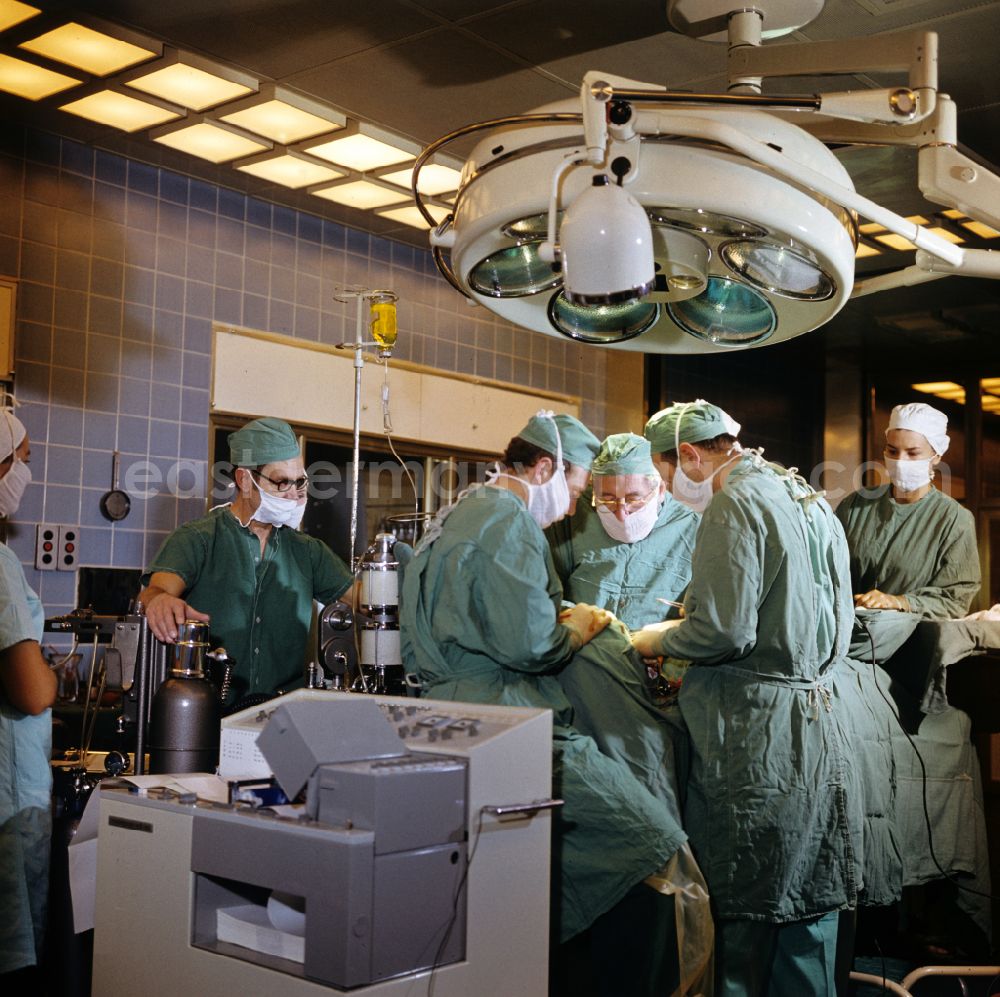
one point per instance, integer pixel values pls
(909, 475)
(549, 501)
(12, 486)
(694, 494)
(635, 526)
(278, 511)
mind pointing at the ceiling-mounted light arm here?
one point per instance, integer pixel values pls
(907, 277)
(890, 105)
(915, 53)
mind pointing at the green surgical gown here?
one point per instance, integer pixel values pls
(773, 803)
(924, 550)
(260, 605)
(479, 624)
(25, 787)
(627, 579)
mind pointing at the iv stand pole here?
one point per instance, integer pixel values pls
(359, 363)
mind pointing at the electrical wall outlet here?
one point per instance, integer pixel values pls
(69, 548)
(46, 547)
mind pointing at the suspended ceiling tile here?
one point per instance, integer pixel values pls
(273, 38)
(458, 80)
(562, 29)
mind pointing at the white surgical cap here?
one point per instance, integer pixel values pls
(12, 433)
(921, 418)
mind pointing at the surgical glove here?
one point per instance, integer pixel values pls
(584, 622)
(648, 640)
(881, 600)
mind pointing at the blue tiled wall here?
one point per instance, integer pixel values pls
(122, 270)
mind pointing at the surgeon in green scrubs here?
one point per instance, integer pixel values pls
(27, 691)
(481, 622)
(913, 548)
(245, 567)
(772, 805)
(629, 548)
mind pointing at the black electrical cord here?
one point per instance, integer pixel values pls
(923, 773)
(435, 965)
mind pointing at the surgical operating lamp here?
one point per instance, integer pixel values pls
(668, 221)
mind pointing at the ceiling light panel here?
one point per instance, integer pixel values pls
(360, 152)
(409, 215)
(31, 82)
(283, 122)
(864, 250)
(14, 12)
(894, 241)
(290, 171)
(433, 179)
(84, 48)
(209, 141)
(933, 387)
(980, 229)
(189, 86)
(361, 194)
(108, 107)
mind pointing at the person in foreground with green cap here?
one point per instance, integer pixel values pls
(481, 622)
(774, 805)
(628, 550)
(246, 569)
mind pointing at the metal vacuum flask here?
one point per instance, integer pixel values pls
(184, 734)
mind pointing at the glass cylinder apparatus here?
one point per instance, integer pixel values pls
(383, 321)
(380, 576)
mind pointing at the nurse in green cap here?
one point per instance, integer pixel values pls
(246, 569)
(481, 621)
(629, 548)
(774, 804)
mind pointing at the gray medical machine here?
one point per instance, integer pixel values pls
(418, 863)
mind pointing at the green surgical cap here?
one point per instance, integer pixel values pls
(623, 453)
(579, 445)
(688, 422)
(262, 441)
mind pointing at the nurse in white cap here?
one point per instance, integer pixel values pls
(27, 690)
(913, 548)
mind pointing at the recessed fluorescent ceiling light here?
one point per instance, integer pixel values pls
(207, 141)
(361, 194)
(14, 12)
(983, 231)
(361, 153)
(947, 234)
(281, 122)
(119, 111)
(31, 82)
(84, 48)
(189, 86)
(894, 241)
(933, 387)
(863, 251)
(990, 383)
(871, 227)
(290, 171)
(411, 216)
(433, 179)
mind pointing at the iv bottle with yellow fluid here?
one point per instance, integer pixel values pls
(383, 321)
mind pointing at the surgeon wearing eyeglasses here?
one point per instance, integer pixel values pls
(246, 569)
(629, 549)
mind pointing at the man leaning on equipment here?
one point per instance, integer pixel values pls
(246, 569)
